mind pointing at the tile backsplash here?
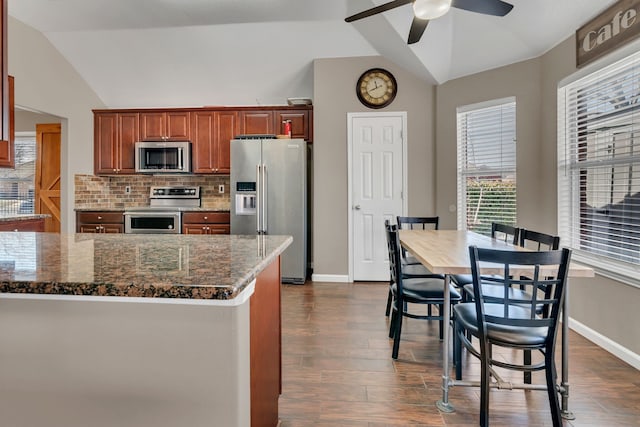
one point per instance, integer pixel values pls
(109, 192)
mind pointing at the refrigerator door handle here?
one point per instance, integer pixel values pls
(258, 199)
(265, 199)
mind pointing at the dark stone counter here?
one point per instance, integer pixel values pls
(22, 217)
(214, 267)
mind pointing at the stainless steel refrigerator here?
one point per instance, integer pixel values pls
(269, 196)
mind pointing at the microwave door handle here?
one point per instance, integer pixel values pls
(265, 199)
(258, 200)
(180, 164)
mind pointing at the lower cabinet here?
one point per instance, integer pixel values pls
(36, 224)
(206, 222)
(100, 222)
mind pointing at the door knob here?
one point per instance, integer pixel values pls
(356, 207)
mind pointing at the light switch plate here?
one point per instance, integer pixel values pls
(221, 188)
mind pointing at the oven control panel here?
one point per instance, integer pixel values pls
(174, 193)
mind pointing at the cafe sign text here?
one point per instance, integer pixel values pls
(615, 26)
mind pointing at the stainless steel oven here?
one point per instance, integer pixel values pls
(152, 222)
(164, 213)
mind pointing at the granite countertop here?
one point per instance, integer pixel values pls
(22, 217)
(216, 267)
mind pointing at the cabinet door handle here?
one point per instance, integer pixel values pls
(99, 217)
(205, 218)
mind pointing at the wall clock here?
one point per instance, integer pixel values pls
(376, 88)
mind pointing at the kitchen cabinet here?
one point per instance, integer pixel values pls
(36, 224)
(206, 222)
(257, 122)
(7, 150)
(165, 126)
(6, 132)
(211, 133)
(270, 121)
(210, 129)
(300, 123)
(100, 222)
(114, 137)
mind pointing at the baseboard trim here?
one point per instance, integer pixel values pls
(607, 344)
(335, 278)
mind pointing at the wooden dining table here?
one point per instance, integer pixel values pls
(446, 252)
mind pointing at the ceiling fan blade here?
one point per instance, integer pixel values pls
(417, 29)
(487, 7)
(378, 9)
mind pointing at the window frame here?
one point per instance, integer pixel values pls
(462, 173)
(569, 191)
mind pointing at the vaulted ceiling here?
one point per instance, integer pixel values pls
(197, 52)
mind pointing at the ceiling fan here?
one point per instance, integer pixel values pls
(424, 10)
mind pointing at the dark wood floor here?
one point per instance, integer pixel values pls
(338, 371)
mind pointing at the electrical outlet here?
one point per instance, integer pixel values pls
(127, 189)
(221, 189)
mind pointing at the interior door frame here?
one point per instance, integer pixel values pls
(405, 202)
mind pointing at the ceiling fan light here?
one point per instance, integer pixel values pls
(431, 9)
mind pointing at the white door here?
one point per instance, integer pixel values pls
(377, 179)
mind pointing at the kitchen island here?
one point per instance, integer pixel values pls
(139, 330)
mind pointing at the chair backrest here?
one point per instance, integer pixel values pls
(505, 232)
(418, 222)
(395, 261)
(544, 287)
(538, 241)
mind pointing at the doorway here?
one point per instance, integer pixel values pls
(377, 162)
(47, 179)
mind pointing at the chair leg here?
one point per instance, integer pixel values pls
(442, 320)
(396, 335)
(485, 378)
(389, 298)
(551, 376)
(392, 323)
(457, 349)
(527, 362)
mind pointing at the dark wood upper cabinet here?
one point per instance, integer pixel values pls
(257, 122)
(299, 122)
(159, 126)
(114, 138)
(7, 148)
(7, 157)
(210, 130)
(211, 133)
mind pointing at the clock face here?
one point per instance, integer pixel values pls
(376, 88)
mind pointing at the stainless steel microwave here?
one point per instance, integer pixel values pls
(163, 157)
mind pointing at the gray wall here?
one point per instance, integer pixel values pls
(46, 82)
(606, 306)
(521, 80)
(26, 121)
(334, 96)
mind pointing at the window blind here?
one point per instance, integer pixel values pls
(599, 167)
(486, 165)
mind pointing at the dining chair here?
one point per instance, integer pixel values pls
(513, 322)
(412, 268)
(416, 223)
(533, 240)
(405, 291)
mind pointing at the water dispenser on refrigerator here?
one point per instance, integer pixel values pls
(245, 198)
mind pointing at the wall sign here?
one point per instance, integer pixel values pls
(611, 29)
